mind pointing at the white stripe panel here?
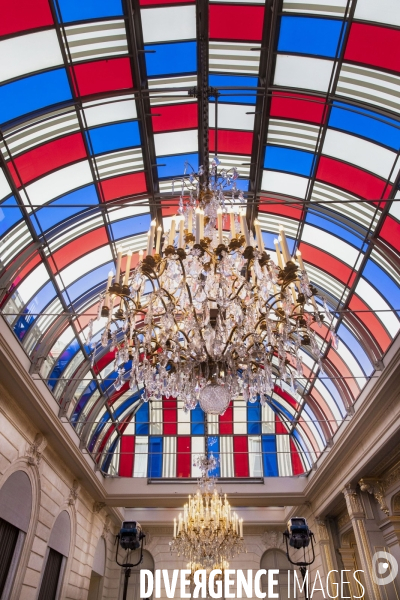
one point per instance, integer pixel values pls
(327, 395)
(330, 243)
(141, 456)
(198, 449)
(83, 265)
(29, 53)
(213, 424)
(111, 111)
(93, 40)
(325, 281)
(284, 183)
(234, 57)
(171, 83)
(284, 458)
(303, 72)
(237, 1)
(268, 419)
(369, 85)
(116, 163)
(293, 134)
(5, 189)
(255, 456)
(373, 299)
(167, 24)
(239, 417)
(73, 231)
(390, 269)
(226, 456)
(156, 418)
(177, 142)
(232, 116)
(333, 8)
(134, 243)
(60, 182)
(183, 420)
(41, 325)
(169, 456)
(384, 11)
(271, 222)
(12, 243)
(359, 152)
(32, 283)
(117, 214)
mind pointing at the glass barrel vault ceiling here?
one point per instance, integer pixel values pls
(96, 121)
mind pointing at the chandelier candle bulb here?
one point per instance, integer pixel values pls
(241, 528)
(141, 255)
(158, 240)
(172, 233)
(259, 238)
(219, 220)
(107, 296)
(300, 260)
(232, 223)
(284, 244)
(244, 228)
(197, 213)
(278, 252)
(181, 232)
(201, 224)
(190, 220)
(128, 267)
(118, 269)
(174, 528)
(150, 240)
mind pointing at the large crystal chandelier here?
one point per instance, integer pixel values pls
(208, 315)
(208, 533)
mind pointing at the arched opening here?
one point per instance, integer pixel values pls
(98, 570)
(56, 558)
(134, 580)
(15, 515)
(276, 559)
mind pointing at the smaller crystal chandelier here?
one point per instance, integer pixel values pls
(209, 532)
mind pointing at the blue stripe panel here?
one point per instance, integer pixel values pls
(355, 348)
(311, 417)
(9, 216)
(114, 137)
(78, 10)
(171, 59)
(36, 305)
(384, 284)
(197, 421)
(142, 420)
(88, 281)
(286, 159)
(307, 35)
(254, 418)
(62, 362)
(175, 165)
(154, 468)
(52, 214)
(31, 93)
(91, 388)
(213, 448)
(131, 226)
(384, 131)
(270, 461)
(332, 389)
(335, 228)
(234, 81)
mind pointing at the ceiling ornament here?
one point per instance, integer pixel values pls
(209, 533)
(208, 315)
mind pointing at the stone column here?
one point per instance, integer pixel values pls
(326, 553)
(350, 564)
(357, 516)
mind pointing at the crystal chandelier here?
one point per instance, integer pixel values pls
(209, 532)
(209, 315)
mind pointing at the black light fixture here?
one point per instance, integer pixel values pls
(130, 538)
(298, 535)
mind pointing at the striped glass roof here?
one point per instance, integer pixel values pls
(99, 111)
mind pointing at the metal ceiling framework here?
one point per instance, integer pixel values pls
(102, 104)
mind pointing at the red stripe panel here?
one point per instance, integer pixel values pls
(103, 362)
(344, 372)
(371, 322)
(297, 465)
(372, 45)
(327, 263)
(48, 157)
(226, 421)
(20, 15)
(390, 232)
(280, 209)
(298, 107)
(235, 142)
(286, 397)
(126, 458)
(174, 117)
(79, 247)
(124, 185)
(184, 455)
(241, 456)
(170, 416)
(161, 2)
(351, 178)
(236, 22)
(101, 76)
(279, 426)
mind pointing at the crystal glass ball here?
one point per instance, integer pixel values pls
(214, 399)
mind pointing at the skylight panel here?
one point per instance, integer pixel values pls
(232, 116)
(102, 111)
(84, 264)
(89, 41)
(169, 24)
(331, 244)
(284, 183)
(384, 11)
(303, 72)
